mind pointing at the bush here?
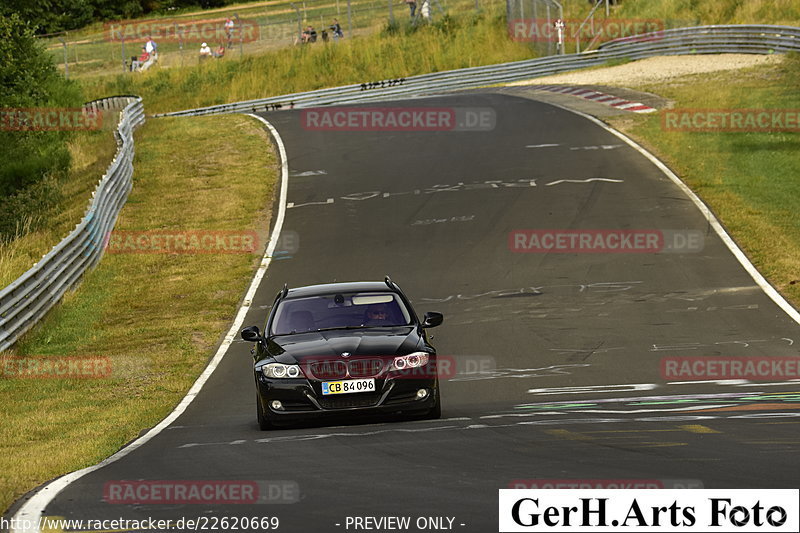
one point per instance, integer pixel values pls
(28, 79)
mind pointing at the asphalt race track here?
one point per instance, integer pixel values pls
(558, 355)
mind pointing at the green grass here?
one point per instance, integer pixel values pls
(156, 316)
(466, 41)
(749, 179)
(692, 12)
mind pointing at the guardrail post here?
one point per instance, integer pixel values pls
(66, 59)
(241, 34)
(299, 22)
(349, 20)
(122, 41)
(179, 33)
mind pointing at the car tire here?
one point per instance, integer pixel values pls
(263, 422)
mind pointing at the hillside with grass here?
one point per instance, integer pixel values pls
(402, 50)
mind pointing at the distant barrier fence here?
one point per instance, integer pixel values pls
(747, 39)
(25, 301)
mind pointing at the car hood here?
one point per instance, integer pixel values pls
(375, 341)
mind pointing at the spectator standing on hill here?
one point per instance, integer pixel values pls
(412, 5)
(337, 30)
(229, 30)
(151, 47)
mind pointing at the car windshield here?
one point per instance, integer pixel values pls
(340, 311)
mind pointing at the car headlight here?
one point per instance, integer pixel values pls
(412, 360)
(281, 371)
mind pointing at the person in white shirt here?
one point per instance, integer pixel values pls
(205, 51)
(151, 47)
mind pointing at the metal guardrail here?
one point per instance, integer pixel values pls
(748, 39)
(25, 301)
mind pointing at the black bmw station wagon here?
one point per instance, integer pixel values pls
(347, 349)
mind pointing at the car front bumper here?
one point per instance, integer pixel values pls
(301, 398)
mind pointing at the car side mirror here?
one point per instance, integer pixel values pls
(252, 334)
(432, 319)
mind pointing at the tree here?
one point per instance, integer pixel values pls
(28, 79)
(50, 16)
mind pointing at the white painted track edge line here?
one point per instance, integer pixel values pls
(31, 511)
(737, 252)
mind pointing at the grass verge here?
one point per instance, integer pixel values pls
(749, 179)
(146, 306)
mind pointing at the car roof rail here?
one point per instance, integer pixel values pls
(389, 283)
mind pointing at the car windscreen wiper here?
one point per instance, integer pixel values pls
(343, 327)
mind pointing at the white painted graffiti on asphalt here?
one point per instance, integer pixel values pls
(470, 425)
(429, 221)
(601, 147)
(743, 343)
(601, 287)
(593, 147)
(498, 373)
(455, 187)
(306, 173)
(587, 180)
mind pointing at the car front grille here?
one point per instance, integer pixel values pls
(325, 370)
(353, 400)
(365, 368)
(355, 368)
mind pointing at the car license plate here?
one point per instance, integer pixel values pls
(348, 386)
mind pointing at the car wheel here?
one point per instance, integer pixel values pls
(263, 422)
